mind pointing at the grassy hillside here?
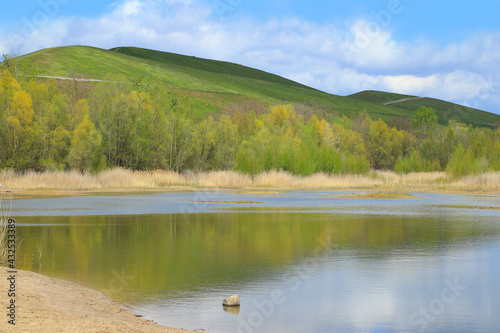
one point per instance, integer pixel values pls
(220, 83)
(378, 97)
(212, 66)
(445, 110)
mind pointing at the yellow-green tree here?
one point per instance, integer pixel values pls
(280, 114)
(85, 147)
(425, 121)
(384, 145)
(204, 143)
(227, 141)
(19, 130)
(8, 86)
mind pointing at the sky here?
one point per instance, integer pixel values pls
(443, 49)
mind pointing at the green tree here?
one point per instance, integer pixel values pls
(85, 147)
(204, 143)
(10, 63)
(495, 156)
(425, 121)
(279, 115)
(20, 131)
(379, 144)
(114, 110)
(8, 87)
(227, 140)
(463, 163)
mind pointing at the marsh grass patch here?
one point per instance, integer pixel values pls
(472, 207)
(229, 202)
(384, 195)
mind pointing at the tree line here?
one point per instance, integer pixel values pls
(46, 126)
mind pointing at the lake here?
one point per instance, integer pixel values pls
(301, 261)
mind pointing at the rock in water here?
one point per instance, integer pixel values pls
(232, 301)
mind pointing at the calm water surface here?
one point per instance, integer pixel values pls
(300, 261)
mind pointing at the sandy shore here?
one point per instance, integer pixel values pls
(50, 305)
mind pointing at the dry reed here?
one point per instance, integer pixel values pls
(482, 182)
(72, 180)
(4, 216)
(420, 180)
(127, 179)
(224, 179)
(281, 179)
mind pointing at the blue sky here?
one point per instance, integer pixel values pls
(446, 49)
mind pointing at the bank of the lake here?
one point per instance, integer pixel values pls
(116, 181)
(45, 304)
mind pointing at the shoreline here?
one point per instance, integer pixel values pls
(47, 305)
(122, 181)
(16, 194)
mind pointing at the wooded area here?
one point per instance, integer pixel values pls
(47, 125)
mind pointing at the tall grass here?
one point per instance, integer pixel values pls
(481, 182)
(281, 179)
(73, 180)
(420, 180)
(126, 179)
(4, 216)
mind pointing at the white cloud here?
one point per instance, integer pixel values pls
(332, 58)
(129, 8)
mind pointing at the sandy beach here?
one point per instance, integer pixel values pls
(44, 304)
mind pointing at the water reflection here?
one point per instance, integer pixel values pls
(235, 310)
(295, 272)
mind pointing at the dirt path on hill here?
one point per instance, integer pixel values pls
(403, 100)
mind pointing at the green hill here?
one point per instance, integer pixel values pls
(379, 97)
(220, 83)
(211, 66)
(445, 110)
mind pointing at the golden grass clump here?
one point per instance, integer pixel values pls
(122, 178)
(224, 179)
(47, 180)
(482, 182)
(335, 181)
(282, 179)
(274, 179)
(73, 180)
(411, 180)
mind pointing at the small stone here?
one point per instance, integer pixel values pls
(232, 301)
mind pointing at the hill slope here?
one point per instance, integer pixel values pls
(223, 82)
(445, 110)
(205, 65)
